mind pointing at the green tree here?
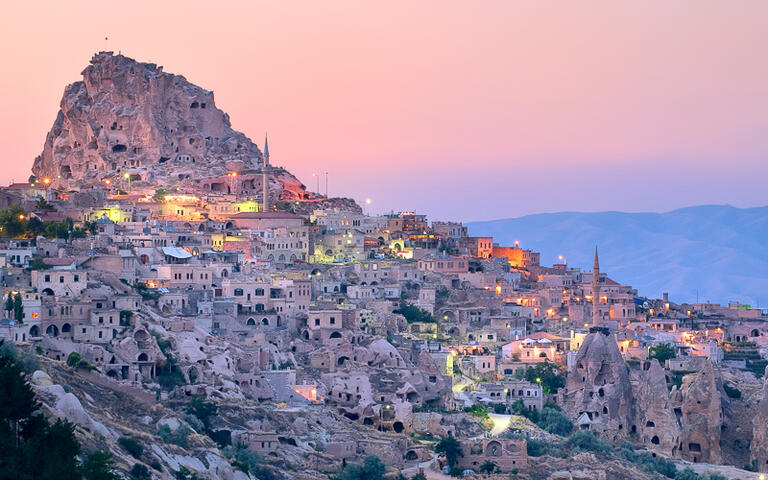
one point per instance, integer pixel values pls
(25, 434)
(451, 448)
(203, 411)
(372, 468)
(140, 472)
(548, 375)
(42, 205)
(9, 304)
(662, 352)
(98, 465)
(18, 308)
(13, 221)
(73, 359)
(414, 314)
(488, 467)
(132, 446)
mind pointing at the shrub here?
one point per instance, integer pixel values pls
(170, 376)
(132, 446)
(732, 392)
(499, 408)
(73, 359)
(687, 474)
(662, 352)
(139, 472)
(372, 468)
(536, 448)
(178, 437)
(477, 410)
(222, 438)
(554, 421)
(586, 441)
(98, 465)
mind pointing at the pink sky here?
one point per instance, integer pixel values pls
(468, 110)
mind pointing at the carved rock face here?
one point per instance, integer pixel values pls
(656, 424)
(759, 446)
(700, 405)
(599, 387)
(127, 116)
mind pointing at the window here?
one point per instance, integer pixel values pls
(61, 279)
(47, 278)
(333, 320)
(77, 278)
(238, 292)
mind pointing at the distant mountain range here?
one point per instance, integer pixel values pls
(715, 252)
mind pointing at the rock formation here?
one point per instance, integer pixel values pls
(656, 424)
(699, 406)
(759, 446)
(127, 116)
(598, 392)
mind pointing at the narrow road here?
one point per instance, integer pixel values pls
(500, 423)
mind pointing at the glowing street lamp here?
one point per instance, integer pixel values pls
(107, 182)
(21, 216)
(47, 181)
(127, 176)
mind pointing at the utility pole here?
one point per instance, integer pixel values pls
(326, 184)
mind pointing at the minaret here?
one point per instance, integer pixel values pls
(264, 177)
(266, 151)
(596, 291)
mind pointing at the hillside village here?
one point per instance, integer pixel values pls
(150, 267)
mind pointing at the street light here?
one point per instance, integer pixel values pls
(127, 176)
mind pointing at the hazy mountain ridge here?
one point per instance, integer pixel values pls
(718, 249)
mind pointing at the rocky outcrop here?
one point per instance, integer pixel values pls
(656, 424)
(759, 446)
(598, 393)
(698, 403)
(131, 117)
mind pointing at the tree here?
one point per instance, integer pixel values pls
(372, 468)
(140, 472)
(132, 446)
(18, 308)
(73, 359)
(662, 352)
(98, 465)
(13, 221)
(42, 205)
(25, 434)
(451, 448)
(9, 304)
(554, 421)
(488, 467)
(203, 411)
(548, 375)
(414, 314)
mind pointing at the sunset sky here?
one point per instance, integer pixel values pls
(461, 110)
